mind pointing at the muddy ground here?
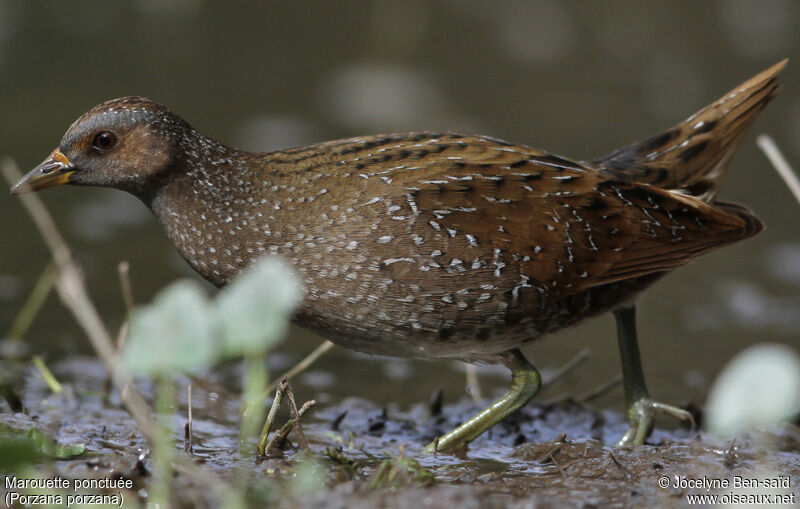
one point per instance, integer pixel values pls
(546, 456)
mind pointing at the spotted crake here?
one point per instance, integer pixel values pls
(434, 245)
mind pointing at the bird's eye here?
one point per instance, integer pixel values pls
(104, 141)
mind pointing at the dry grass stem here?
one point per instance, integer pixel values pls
(595, 393)
(72, 291)
(189, 445)
(302, 365)
(473, 384)
(281, 434)
(298, 368)
(124, 270)
(773, 153)
(273, 410)
(588, 396)
(567, 368)
(298, 428)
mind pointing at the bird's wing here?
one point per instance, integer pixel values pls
(567, 227)
(558, 225)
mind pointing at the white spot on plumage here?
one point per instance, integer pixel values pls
(390, 261)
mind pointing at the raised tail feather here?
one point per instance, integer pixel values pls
(693, 156)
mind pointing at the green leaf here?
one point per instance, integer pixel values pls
(17, 453)
(53, 449)
(174, 333)
(253, 311)
(69, 450)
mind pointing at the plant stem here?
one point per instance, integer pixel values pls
(281, 434)
(298, 428)
(780, 164)
(255, 380)
(162, 450)
(124, 269)
(189, 447)
(276, 403)
(567, 368)
(73, 294)
(48, 376)
(298, 368)
(34, 303)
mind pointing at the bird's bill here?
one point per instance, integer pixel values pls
(53, 171)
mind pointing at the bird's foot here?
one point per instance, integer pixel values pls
(525, 383)
(641, 416)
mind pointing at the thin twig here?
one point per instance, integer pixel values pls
(124, 269)
(620, 466)
(281, 434)
(121, 335)
(558, 444)
(473, 384)
(298, 368)
(773, 153)
(34, 303)
(560, 470)
(567, 368)
(303, 364)
(72, 291)
(550, 454)
(586, 396)
(599, 390)
(189, 445)
(73, 294)
(276, 403)
(54, 385)
(298, 428)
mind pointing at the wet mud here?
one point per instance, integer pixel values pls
(364, 455)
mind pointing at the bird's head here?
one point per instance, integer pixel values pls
(128, 143)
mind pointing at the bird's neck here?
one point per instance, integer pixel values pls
(217, 211)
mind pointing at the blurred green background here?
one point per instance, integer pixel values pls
(575, 78)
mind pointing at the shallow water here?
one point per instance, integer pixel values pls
(553, 454)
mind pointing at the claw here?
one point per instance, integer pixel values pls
(641, 416)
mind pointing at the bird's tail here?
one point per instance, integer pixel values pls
(693, 156)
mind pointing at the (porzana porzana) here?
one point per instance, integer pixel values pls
(435, 245)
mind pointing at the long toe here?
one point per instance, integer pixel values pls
(642, 419)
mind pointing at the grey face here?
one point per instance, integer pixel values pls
(123, 143)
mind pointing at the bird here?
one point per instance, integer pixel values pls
(435, 245)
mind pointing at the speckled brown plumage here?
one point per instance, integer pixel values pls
(433, 244)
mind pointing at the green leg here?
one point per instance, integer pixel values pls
(641, 409)
(525, 383)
